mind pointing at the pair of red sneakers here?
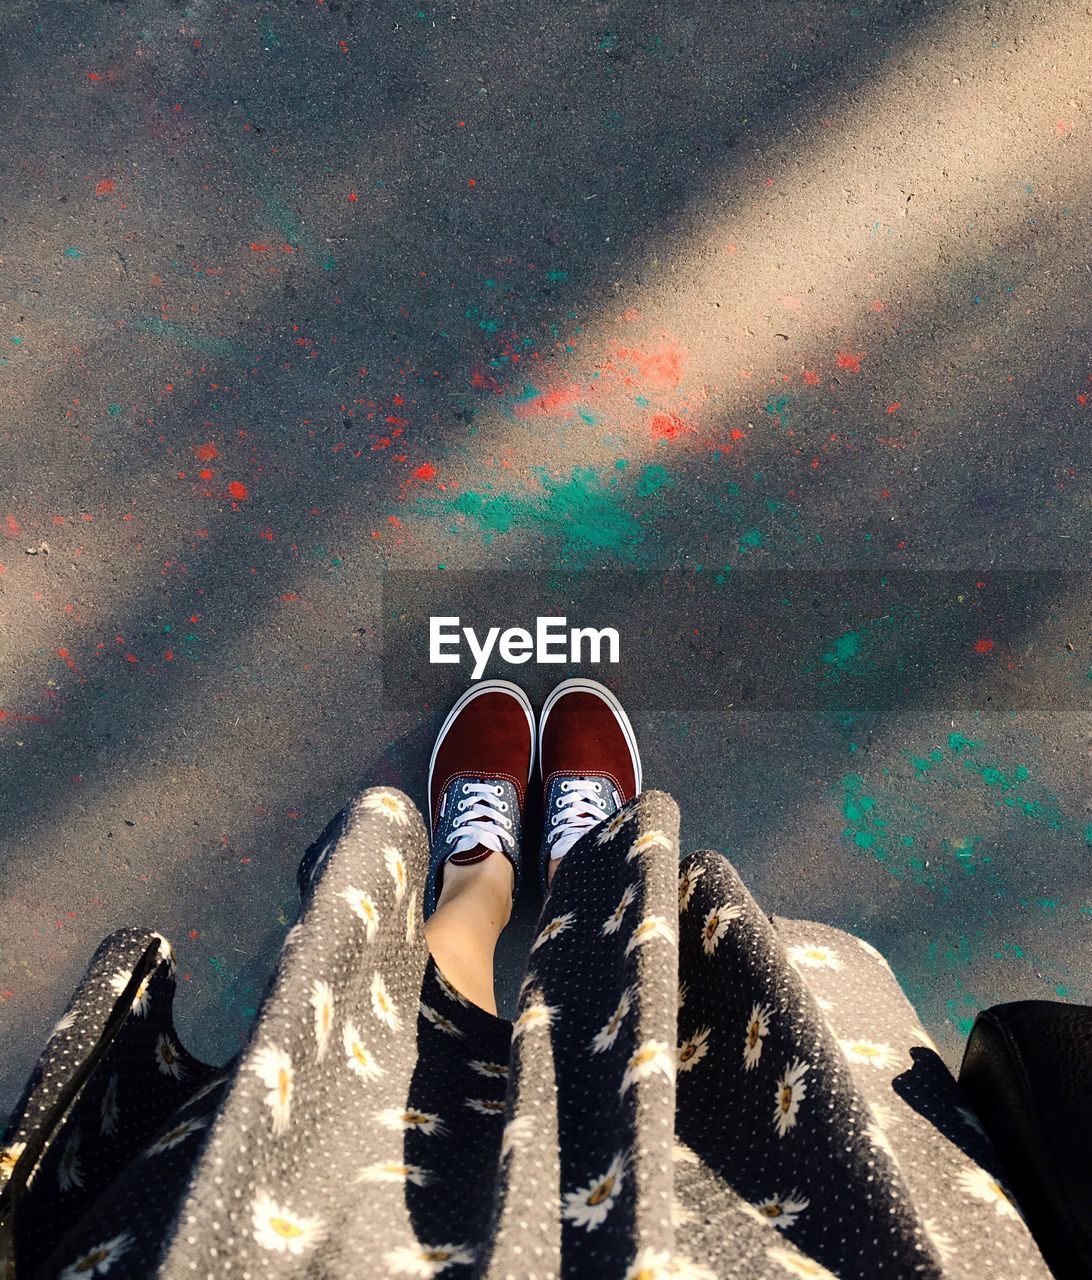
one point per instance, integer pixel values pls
(484, 759)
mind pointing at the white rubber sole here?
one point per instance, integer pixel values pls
(476, 691)
(604, 694)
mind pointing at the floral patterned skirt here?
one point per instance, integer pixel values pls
(689, 1089)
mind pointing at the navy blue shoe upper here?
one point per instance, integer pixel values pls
(560, 805)
(462, 798)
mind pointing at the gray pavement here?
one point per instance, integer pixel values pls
(297, 298)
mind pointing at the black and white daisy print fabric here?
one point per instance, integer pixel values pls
(688, 1089)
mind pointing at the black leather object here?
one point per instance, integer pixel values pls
(1027, 1072)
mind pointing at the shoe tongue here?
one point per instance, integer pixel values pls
(588, 780)
(478, 853)
(485, 804)
(582, 807)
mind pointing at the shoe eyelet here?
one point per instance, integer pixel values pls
(598, 786)
(503, 806)
(466, 788)
(498, 791)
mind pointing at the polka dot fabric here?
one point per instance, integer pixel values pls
(819, 1133)
(688, 1089)
(140, 1090)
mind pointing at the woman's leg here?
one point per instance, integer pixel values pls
(474, 906)
(480, 767)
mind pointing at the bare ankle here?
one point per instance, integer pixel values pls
(481, 888)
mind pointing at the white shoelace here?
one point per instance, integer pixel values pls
(481, 819)
(581, 806)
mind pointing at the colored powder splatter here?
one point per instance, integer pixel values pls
(858, 809)
(426, 471)
(662, 367)
(270, 39)
(943, 964)
(206, 452)
(292, 230)
(954, 852)
(579, 511)
(845, 649)
(205, 343)
(851, 360)
(778, 407)
(1009, 786)
(482, 380)
(105, 187)
(653, 479)
(922, 764)
(667, 426)
(560, 402)
(238, 490)
(869, 828)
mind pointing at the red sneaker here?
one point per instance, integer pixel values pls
(590, 764)
(477, 781)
